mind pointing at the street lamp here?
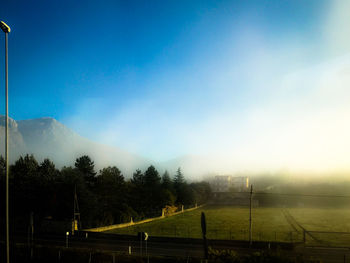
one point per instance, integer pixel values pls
(67, 235)
(6, 29)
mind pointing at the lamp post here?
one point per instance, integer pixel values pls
(67, 235)
(6, 29)
(250, 217)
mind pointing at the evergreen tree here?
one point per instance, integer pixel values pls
(166, 181)
(168, 192)
(26, 185)
(111, 189)
(112, 176)
(47, 177)
(137, 179)
(183, 192)
(179, 178)
(86, 167)
(71, 181)
(151, 177)
(25, 167)
(138, 195)
(47, 170)
(152, 188)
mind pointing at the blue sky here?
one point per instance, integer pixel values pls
(169, 78)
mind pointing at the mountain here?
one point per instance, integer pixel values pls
(48, 138)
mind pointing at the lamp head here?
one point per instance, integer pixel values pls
(5, 27)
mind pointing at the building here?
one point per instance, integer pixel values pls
(226, 183)
(231, 190)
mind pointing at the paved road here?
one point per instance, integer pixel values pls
(331, 255)
(180, 249)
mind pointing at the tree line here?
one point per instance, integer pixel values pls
(104, 197)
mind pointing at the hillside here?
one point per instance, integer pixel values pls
(46, 137)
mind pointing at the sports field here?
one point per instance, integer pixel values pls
(322, 219)
(222, 223)
(322, 225)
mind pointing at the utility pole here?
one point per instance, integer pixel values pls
(76, 224)
(250, 216)
(6, 29)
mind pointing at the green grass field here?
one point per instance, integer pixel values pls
(269, 224)
(335, 221)
(222, 223)
(322, 219)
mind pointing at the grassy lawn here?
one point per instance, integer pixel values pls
(269, 224)
(222, 223)
(323, 219)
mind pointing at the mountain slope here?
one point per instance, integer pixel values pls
(46, 137)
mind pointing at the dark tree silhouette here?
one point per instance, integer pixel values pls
(166, 181)
(48, 171)
(179, 178)
(138, 178)
(185, 195)
(103, 199)
(111, 189)
(86, 167)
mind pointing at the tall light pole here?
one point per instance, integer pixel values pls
(6, 29)
(250, 217)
